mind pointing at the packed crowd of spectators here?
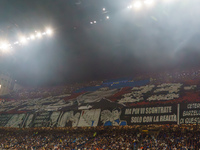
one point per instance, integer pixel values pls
(69, 138)
(43, 92)
(119, 138)
(173, 138)
(175, 75)
(44, 139)
(158, 137)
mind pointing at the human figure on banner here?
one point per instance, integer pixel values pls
(74, 119)
(69, 119)
(53, 119)
(112, 118)
(15, 121)
(29, 121)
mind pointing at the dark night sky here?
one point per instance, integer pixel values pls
(165, 36)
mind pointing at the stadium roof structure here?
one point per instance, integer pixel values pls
(97, 39)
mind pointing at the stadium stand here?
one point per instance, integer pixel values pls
(128, 138)
(139, 114)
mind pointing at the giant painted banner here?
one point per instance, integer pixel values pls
(69, 118)
(150, 115)
(147, 104)
(93, 117)
(4, 118)
(112, 118)
(166, 114)
(190, 113)
(185, 113)
(103, 98)
(16, 120)
(42, 119)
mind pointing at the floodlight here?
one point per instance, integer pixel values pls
(91, 22)
(95, 21)
(104, 9)
(149, 2)
(23, 40)
(137, 4)
(4, 46)
(49, 31)
(107, 17)
(39, 35)
(32, 37)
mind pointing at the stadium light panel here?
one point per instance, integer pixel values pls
(49, 31)
(107, 17)
(137, 4)
(23, 40)
(39, 35)
(4, 46)
(32, 37)
(104, 9)
(95, 21)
